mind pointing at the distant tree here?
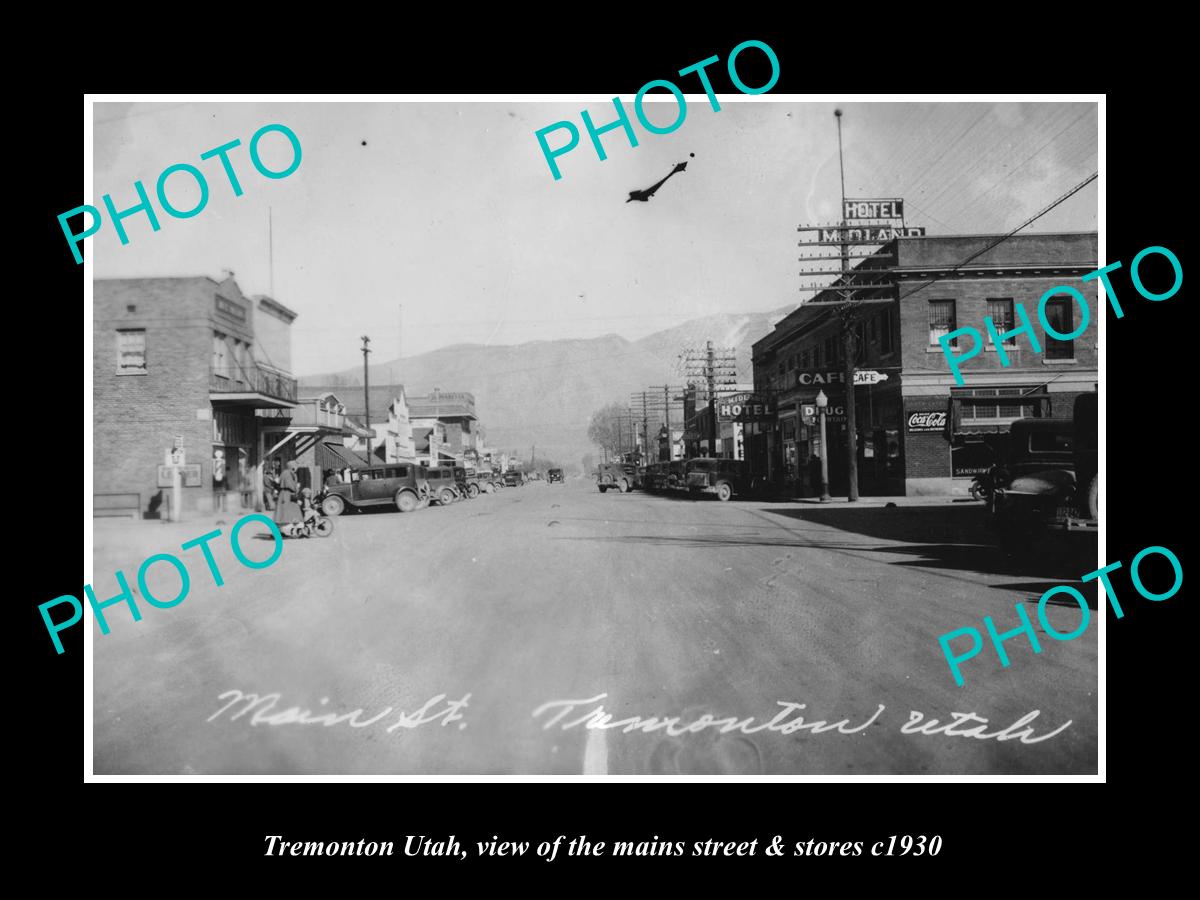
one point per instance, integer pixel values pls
(609, 428)
(589, 462)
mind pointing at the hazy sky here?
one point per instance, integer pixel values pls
(451, 210)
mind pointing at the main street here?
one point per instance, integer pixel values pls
(461, 633)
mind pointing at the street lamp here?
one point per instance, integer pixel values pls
(822, 402)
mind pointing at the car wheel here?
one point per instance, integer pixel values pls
(472, 490)
(724, 491)
(624, 488)
(603, 487)
(1093, 497)
(333, 505)
(406, 501)
(446, 497)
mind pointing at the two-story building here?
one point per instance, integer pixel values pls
(183, 364)
(390, 428)
(905, 392)
(452, 425)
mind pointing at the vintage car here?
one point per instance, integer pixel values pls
(623, 476)
(1048, 482)
(480, 481)
(654, 477)
(676, 475)
(443, 487)
(554, 475)
(401, 484)
(725, 478)
(513, 478)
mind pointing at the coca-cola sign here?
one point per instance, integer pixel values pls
(926, 421)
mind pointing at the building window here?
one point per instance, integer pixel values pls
(887, 334)
(220, 355)
(996, 405)
(942, 321)
(805, 358)
(1001, 314)
(131, 351)
(1060, 314)
(833, 350)
(816, 359)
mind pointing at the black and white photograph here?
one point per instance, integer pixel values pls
(727, 434)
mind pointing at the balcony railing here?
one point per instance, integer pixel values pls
(252, 380)
(313, 412)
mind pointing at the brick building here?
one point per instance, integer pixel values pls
(183, 363)
(908, 393)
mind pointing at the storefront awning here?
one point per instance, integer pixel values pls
(346, 455)
(970, 430)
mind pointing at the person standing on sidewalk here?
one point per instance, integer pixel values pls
(287, 510)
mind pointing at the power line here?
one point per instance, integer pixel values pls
(1005, 237)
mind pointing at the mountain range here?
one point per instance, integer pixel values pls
(542, 394)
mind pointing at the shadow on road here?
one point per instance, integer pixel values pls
(952, 538)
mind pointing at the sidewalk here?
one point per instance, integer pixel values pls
(938, 500)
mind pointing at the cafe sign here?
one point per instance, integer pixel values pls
(809, 378)
(745, 408)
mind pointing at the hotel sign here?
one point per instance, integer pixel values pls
(873, 209)
(745, 408)
(867, 234)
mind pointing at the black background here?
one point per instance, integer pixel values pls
(206, 833)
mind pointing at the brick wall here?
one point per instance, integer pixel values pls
(926, 454)
(971, 296)
(135, 418)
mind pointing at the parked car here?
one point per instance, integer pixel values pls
(554, 475)
(676, 475)
(443, 487)
(513, 478)
(479, 481)
(403, 485)
(726, 478)
(620, 476)
(654, 476)
(1048, 483)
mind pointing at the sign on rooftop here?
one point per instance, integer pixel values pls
(892, 208)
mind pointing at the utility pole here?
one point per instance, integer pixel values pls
(667, 415)
(848, 348)
(367, 396)
(400, 341)
(645, 429)
(716, 366)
